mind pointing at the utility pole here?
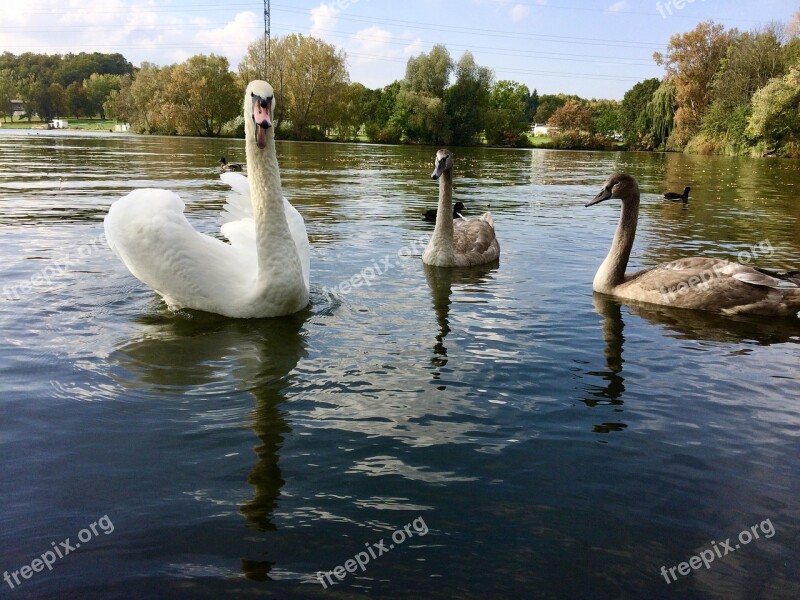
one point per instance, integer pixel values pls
(267, 39)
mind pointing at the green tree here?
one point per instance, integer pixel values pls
(30, 91)
(635, 121)
(98, 89)
(775, 122)
(467, 101)
(352, 110)
(660, 114)
(315, 72)
(382, 106)
(8, 92)
(507, 122)
(751, 60)
(420, 117)
(430, 73)
(606, 117)
(78, 67)
(148, 99)
(57, 99)
(119, 104)
(202, 96)
(78, 102)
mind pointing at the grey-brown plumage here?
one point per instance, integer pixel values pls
(698, 283)
(458, 242)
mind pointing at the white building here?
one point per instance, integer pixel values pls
(542, 129)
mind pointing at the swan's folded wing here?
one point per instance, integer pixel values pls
(475, 238)
(297, 227)
(149, 232)
(238, 205)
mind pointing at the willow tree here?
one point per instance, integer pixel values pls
(661, 114)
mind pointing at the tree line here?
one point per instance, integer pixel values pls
(439, 101)
(724, 92)
(53, 85)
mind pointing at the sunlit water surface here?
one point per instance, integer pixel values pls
(541, 442)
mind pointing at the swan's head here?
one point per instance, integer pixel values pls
(620, 185)
(442, 164)
(259, 106)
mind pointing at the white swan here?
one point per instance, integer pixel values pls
(263, 272)
(457, 242)
(700, 283)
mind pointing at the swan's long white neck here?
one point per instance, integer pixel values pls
(279, 270)
(442, 238)
(612, 272)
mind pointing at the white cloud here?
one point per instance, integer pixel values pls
(375, 55)
(520, 12)
(616, 7)
(372, 40)
(323, 18)
(414, 48)
(245, 28)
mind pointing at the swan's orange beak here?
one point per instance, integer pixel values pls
(262, 117)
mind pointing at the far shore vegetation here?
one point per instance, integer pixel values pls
(723, 92)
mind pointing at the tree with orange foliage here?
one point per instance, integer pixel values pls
(691, 61)
(574, 115)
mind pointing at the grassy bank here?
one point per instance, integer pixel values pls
(74, 123)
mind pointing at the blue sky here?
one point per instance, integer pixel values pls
(593, 49)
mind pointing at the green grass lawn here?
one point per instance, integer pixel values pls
(541, 141)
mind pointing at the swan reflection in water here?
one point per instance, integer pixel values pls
(614, 383)
(226, 356)
(679, 323)
(441, 281)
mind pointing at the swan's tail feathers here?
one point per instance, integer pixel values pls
(487, 216)
(238, 205)
(790, 276)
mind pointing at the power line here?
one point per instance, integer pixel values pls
(349, 16)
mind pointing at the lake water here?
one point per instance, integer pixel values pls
(491, 433)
